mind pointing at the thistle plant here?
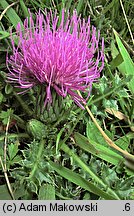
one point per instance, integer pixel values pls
(62, 57)
(49, 147)
(66, 57)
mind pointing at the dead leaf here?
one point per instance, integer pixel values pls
(116, 113)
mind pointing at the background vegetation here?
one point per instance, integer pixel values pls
(60, 153)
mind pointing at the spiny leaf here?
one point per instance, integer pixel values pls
(47, 192)
(12, 150)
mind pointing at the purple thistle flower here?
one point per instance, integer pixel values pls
(65, 57)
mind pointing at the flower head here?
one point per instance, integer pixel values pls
(63, 56)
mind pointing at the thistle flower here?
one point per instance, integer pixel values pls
(65, 56)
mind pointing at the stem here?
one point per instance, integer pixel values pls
(43, 94)
(37, 107)
(106, 94)
(7, 179)
(71, 131)
(39, 154)
(4, 166)
(10, 136)
(67, 150)
(21, 123)
(131, 111)
(5, 145)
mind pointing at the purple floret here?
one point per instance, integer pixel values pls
(65, 57)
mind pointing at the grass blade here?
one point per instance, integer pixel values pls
(87, 169)
(11, 14)
(4, 34)
(78, 180)
(129, 65)
(24, 8)
(97, 149)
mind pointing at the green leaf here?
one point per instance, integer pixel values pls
(124, 141)
(12, 150)
(68, 4)
(43, 177)
(18, 192)
(47, 192)
(24, 8)
(32, 186)
(86, 168)
(129, 171)
(4, 193)
(127, 183)
(93, 133)
(125, 189)
(109, 176)
(79, 6)
(123, 93)
(1, 97)
(116, 61)
(78, 180)
(12, 15)
(4, 34)
(16, 159)
(117, 58)
(4, 115)
(97, 149)
(8, 89)
(129, 65)
(110, 103)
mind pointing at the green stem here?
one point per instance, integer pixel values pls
(39, 154)
(37, 107)
(10, 136)
(109, 70)
(71, 131)
(20, 121)
(106, 94)
(131, 111)
(32, 97)
(43, 94)
(67, 150)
